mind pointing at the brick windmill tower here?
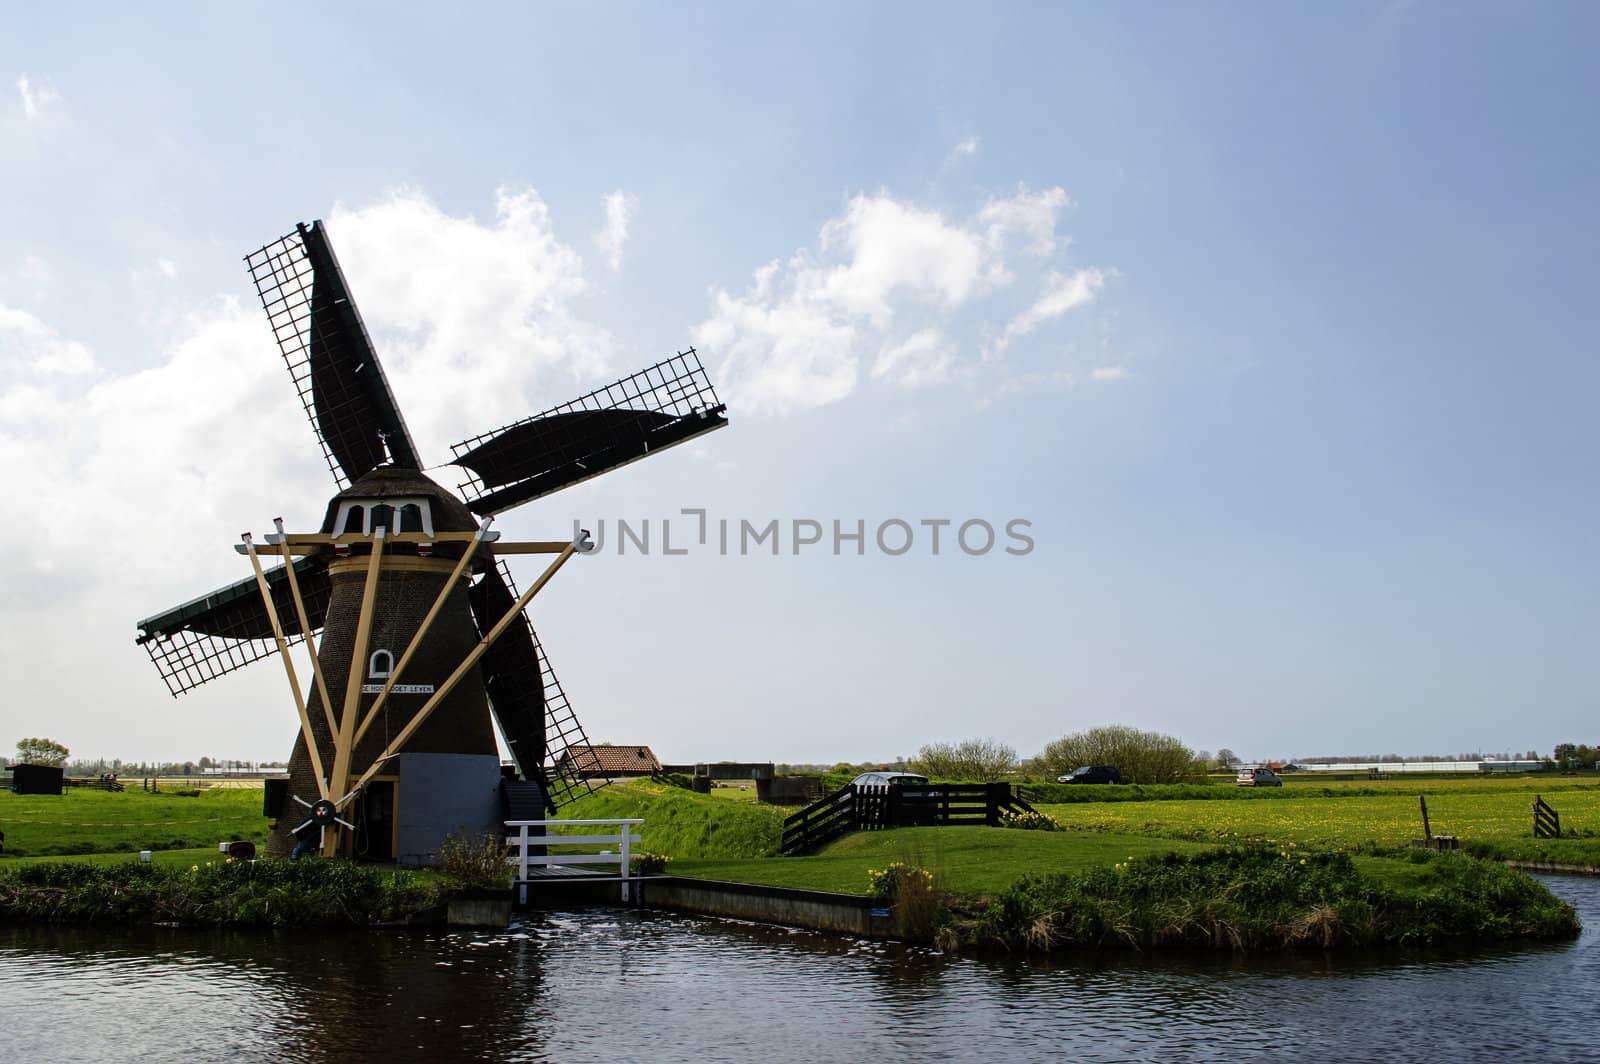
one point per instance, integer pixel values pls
(424, 644)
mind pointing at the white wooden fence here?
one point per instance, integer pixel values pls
(622, 838)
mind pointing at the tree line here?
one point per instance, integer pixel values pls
(48, 752)
(1151, 757)
(1140, 756)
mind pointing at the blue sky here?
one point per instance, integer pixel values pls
(1276, 325)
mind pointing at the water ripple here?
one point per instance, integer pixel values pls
(576, 986)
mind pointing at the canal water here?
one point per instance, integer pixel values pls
(618, 985)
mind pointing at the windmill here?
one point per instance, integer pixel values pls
(423, 634)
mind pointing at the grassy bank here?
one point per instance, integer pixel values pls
(1257, 898)
(306, 893)
(685, 825)
(997, 889)
(88, 821)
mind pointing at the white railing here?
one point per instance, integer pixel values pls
(623, 839)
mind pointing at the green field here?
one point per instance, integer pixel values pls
(711, 837)
(1494, 817)
(1300, 786)
(724, 835)
(91, 821)
(967, 860)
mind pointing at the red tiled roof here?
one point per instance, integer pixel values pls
(605, 759)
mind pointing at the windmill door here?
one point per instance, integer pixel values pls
(376, 824)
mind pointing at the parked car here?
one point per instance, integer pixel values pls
(1258, 777)
(1091, 774)
(921, 809)
(891, 779)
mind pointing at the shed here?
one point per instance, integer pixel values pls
(36, 779)
(607, 760)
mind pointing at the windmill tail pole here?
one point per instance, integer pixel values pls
(1427, 832)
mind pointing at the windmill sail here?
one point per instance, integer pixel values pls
(641, 414)
(528, 702)
(324, 343)
(229, 628)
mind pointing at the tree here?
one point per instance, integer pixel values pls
(970, 759)
(41, 752)
(1226, 759)
(1576, 755)
(1140, 756)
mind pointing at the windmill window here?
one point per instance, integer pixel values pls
(383, 517)
(355, 520)
(411, 518)
(380, 665)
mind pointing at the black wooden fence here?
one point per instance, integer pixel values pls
(1546, 821)
(873, 807)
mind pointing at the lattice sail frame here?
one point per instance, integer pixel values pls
(677, 387)
(561, 726)
(285, 276)
(187, 658)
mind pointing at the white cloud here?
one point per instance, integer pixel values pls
(797, 336)
(1108, 373)
(35, 98)
(1061, 294)
(91, 450)
(452, 303)
(964, 149)
(780, 353)
(620, 210)
(1030, 215)
(920, 360)
(30, 349)
(167, 268)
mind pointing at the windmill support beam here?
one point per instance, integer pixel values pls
(321, 539)
(467, 663)
(298, 544)
(288, 666)
(543, 546)
(305, 626)
(345, 743)
(422, 631)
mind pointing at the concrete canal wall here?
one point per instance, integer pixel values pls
(816, 910)
(1555, 869)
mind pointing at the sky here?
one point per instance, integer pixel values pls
(1261, 337)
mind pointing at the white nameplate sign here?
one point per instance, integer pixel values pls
(399, 688)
